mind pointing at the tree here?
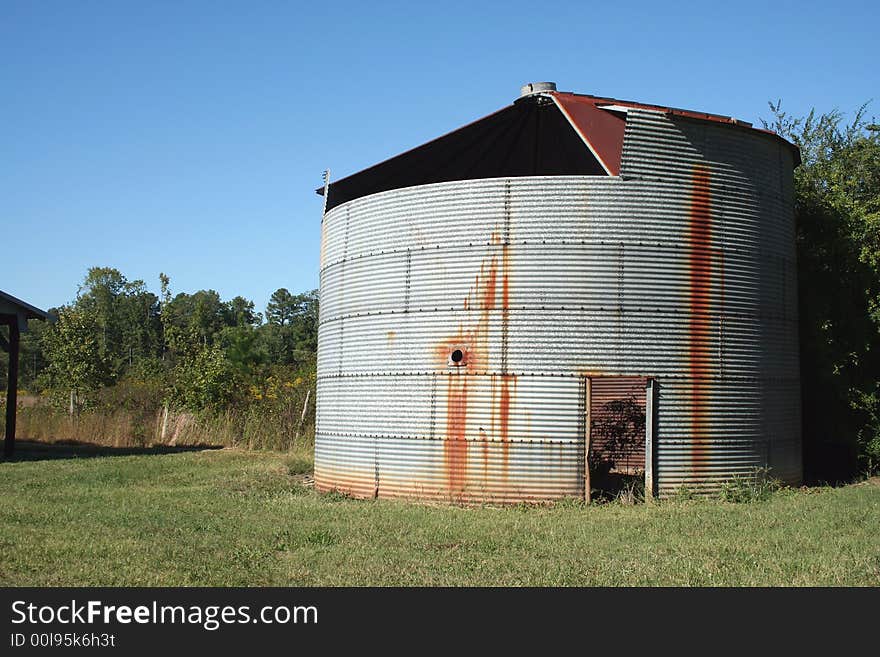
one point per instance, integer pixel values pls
(240, 312)
(304, 325)
(242, 348)
(191, 321)
(281, 308)
(73, 348)
(127, 316)
(204, 379)
(837, 208)
(291, 332)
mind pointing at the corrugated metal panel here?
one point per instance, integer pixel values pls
(682, 269)
(617, 422)
(745, 179)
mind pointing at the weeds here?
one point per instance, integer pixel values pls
(337, 496)
(321, 537)
(299, 465)
(756, 486)
(632, 492)
(568, 502)
(684, 493)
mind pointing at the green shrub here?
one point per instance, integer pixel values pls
(871, 455)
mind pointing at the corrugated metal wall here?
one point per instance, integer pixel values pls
(682, 269)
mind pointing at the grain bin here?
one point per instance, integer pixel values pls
(570, 293)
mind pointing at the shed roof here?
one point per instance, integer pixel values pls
(542, 133)
(10, 305)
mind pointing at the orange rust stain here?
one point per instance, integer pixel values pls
(455, 448)
(485, 449)
(391, 336)
(504, 417)
(505, 276)
(474, 342)
(506, 379)
(700, 234)
(489, 289)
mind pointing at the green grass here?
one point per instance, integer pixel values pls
(230, 517)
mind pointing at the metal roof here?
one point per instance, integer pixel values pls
(467, 152)
(14, 306)
(582, 111)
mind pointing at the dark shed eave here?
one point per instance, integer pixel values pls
(18, 307)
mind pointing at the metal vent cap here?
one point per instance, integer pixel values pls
(536, 88)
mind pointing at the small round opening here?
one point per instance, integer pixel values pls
(457, 356)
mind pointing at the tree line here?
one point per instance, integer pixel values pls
(191, 351)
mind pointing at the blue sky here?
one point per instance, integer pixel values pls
(188, 137)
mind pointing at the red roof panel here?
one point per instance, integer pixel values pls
(601, 130)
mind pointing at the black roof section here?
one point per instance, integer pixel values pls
(529, 138)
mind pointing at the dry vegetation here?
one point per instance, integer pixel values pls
(254, 427)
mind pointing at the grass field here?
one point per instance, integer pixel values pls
(231, 517)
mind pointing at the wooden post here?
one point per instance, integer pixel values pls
(302, 417)
(164, 424)
(588, 401)
(11, 389)
(650, 397)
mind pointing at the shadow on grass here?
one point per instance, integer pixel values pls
(28, 450)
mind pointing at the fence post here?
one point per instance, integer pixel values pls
(649, 439)
(587, 429)
(164, 424)
(302, 416)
